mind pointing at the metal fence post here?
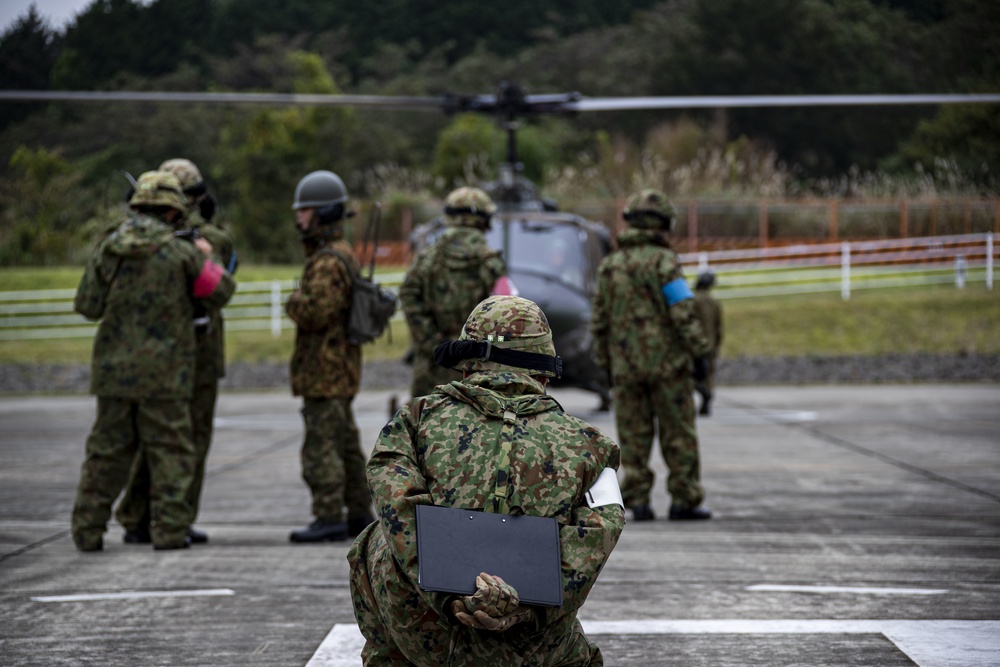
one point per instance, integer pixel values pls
(960, 271)
(989, 261)
(845, 271)
(275, 309)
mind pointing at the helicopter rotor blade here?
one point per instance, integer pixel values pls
(278, 99)
(733, 101)
(515, 105)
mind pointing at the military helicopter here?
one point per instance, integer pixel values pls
(552, 256)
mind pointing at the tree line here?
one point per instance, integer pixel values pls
(61, 164)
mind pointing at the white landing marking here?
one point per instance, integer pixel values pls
(926, 643)
(763, 417)
(780, 588)
(341, 648)
(133, 595)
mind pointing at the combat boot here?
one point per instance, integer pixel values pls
(321, 530)
(678, 513)
(137, 536)
(197, 536)
(642, 513)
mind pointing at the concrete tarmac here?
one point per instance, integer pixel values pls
(854, 525)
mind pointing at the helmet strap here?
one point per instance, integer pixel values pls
(450, 353)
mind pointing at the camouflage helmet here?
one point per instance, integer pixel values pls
(158, 188)
(468, 207)
(319, 189)
(186, 172)
(509, 323)
(649, 209)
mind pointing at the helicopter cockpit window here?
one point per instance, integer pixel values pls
(558, 252)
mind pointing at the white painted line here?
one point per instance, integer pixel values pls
(927, 643)
(133, 595)
(779, 588)
(764, 417)
(341, 648)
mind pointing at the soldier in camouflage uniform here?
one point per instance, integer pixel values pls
(493, 441)
(710, 315)
(142, 284)
(133, 510)
(325, 367)
(647, 336)
(446, 280)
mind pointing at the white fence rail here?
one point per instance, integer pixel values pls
(843, 267)
(762, 272)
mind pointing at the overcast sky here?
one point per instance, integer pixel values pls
(58, 12)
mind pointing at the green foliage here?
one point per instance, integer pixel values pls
(968, 135)
(41, 218)
(466, 150)
(28, 50)
(472, 147)
(264, 160)
(253, 157)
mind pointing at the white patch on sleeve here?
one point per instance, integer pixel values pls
(605, 491)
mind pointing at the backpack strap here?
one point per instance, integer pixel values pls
(343, 258)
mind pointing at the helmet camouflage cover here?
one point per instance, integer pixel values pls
(468, 207)
(159, 188)
(186, 172)
(649, 209)
(510, 323)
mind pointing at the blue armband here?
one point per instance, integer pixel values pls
(677, 291)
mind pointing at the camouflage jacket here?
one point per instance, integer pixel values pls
(324, 364)
(445, 449)
(644, 324)
(446, 281)
(142, 283)
(710, 315)
(211, 361)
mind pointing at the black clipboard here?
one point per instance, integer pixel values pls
(455, 545)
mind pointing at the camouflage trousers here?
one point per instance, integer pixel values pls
(333, 465)
(133, 510)
(401, 629)
(427, 374)
(159, 431)
(666, 406)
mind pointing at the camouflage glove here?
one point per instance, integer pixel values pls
(494, 606)
(493, 595)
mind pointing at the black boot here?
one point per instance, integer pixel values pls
(321, 530)
(197, 536)
(678, 513)
(357, 524)
(706, 399)
(642, 512)
(137, 536)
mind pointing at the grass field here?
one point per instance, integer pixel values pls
(873, 322)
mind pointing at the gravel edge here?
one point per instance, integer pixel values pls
(20, 379)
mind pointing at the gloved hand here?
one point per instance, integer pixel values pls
(494, 605)
(700, 368)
